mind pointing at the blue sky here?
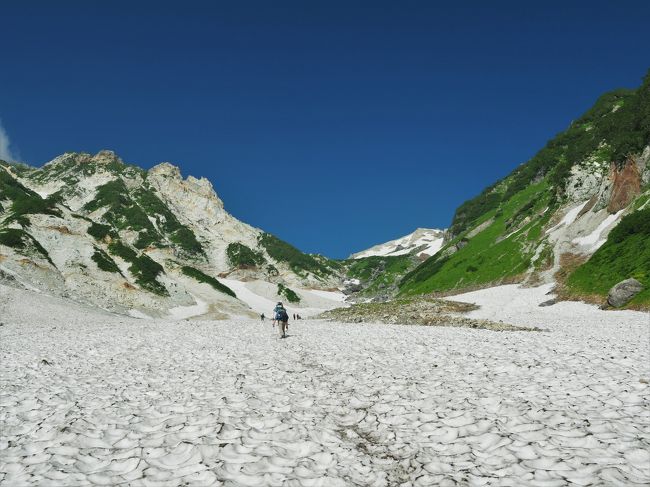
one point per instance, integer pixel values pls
(334, 125)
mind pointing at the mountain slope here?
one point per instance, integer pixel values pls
(625, 254)
(423, 242)
(561, 203)
(130, 240)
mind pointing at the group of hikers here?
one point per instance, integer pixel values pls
(281, 318)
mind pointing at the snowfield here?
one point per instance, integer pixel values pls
(92, 398)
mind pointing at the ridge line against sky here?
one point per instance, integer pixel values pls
(334, 125)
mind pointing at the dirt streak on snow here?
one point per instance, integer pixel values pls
(90, 398)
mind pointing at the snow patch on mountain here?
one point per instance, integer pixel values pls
(427, 241)
(593, 241)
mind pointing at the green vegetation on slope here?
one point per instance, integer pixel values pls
(104, 261)
(24, 201)
(144, 268)
(620, 118)
(22, 241)
(625, 254)
(167, 221)
(300, 263)
(239, 255)
(502, 250)
(70, 166)
(291, 296)
(135, 211)
(202, 277)
(100, 231)
(379, 273)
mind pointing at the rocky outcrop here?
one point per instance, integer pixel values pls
(623, 292)
(626, 185)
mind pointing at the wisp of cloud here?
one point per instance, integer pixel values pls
(5, 143)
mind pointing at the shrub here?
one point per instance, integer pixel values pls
(239, 255)
(284, 252)
(144, 268)
(202, 277)
(100, 231)
(104, 261)
(22, 241)
(291, 296)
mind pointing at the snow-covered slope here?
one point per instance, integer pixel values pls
(91, 398)
(423, 242)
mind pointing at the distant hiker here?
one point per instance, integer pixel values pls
(262, 316)
(282, 317)
(294, 317)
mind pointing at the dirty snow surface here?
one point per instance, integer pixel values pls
(91, 398)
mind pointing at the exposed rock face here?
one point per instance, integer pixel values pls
(623, 292)
(587, 179)
(626, 185)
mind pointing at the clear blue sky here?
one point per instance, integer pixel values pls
(335, 125)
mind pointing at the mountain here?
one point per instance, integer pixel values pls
(423, 243)
(551, 218)
(116, 236)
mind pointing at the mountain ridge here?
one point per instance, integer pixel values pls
(422, 242)
(134, 240)
(596, 172)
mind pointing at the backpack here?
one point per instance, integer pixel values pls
(282, 315)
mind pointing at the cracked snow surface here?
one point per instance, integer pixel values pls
(90, 398)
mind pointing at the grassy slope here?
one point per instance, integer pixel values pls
(625, 254)
(626, 130)
(620, 118)
(487, 257)
(378, 273)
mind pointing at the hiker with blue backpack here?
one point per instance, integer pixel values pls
(282, 317)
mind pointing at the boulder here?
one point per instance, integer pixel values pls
(622, 292)
(550, 302)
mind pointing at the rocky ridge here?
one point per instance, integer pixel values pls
(422, 243)
(116, 236)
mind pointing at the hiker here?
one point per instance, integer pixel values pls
(294, 317)
(282, 317)
(262, 316)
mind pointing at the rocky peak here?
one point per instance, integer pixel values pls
(106, 157)
(202, 186)
(168, 180)
(166, 170)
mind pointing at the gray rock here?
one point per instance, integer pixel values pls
(550, 302)
(351, 288)
(622, 292)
